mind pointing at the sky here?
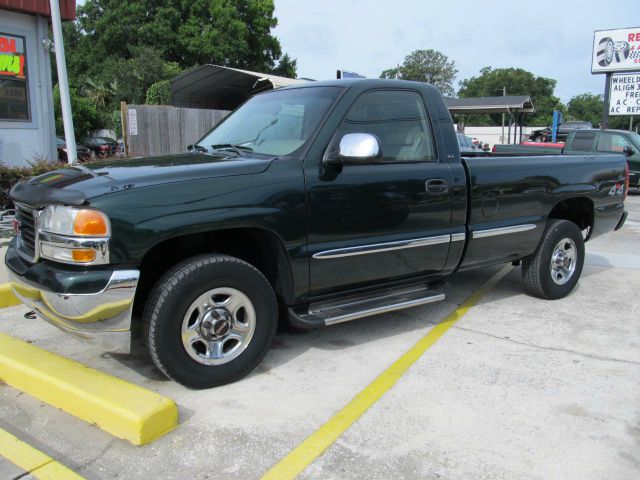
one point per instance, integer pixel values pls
(550, 39)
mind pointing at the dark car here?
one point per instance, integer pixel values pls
(102, 146)
(82, 152)
(545, 135)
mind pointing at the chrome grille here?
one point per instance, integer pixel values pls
(27, 237)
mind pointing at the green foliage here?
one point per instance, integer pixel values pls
(587, 107)
(428, 66)
(116, 122)
(517, 82)
(117, 49)
(85, 114)
(236, 34)
(287, 67)
(159, 93)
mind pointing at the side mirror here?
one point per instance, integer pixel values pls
(189, 148)
(628, 150)
(355, 147)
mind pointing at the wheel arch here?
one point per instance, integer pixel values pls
(259, 247)
(579, 210)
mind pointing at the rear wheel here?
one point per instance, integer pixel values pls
(210, 320)
(554, 270)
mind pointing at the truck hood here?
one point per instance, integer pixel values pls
(74, 185)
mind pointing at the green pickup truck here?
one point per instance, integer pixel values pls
(314, 204)
(580, 142)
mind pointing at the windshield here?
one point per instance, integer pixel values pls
(276, 123)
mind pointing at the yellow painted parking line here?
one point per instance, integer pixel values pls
(7, 298)
(33, 461)
(314, 445)
(121, 408)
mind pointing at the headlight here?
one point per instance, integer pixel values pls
(74, 235)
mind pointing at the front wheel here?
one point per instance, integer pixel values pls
(210, 320)
(553, 271)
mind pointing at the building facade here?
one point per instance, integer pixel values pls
(27, 125)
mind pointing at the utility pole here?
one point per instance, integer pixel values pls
(504, 94)
(63, 82)
(607, 99)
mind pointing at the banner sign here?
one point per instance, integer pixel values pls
(12, 57)
(625, 95)
(616, 50)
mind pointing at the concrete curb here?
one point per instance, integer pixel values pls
(121, 408)
(7, 298)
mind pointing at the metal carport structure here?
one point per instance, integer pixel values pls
(221, 88)
(516, 105)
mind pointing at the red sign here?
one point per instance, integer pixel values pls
(12, 59)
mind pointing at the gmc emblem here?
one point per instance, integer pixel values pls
(16, 225)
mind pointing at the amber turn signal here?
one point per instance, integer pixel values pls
(90, 222)
(83, 255)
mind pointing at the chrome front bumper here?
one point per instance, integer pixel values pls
(102, 318)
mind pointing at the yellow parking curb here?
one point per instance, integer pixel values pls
(7, 298)
(125, 410)
(33, 461)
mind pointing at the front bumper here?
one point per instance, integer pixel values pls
(101, 315)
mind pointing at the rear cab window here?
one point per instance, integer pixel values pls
(583, 141)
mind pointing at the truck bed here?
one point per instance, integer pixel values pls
(512, 193)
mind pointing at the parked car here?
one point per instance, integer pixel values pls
(545, 135)
(467, 146)
(82, 152)
(326, 201)
(102, 146)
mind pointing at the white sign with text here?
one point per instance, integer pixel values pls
(625, 95)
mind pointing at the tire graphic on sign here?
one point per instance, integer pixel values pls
(605, 51)
(621, 50)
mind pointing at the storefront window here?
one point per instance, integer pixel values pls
(14, 98)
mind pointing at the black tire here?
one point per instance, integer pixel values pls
(175, 293)
(537, 272)
(605, 52)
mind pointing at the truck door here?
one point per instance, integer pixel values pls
(383, 219)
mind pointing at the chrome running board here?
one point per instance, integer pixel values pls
(359, 306)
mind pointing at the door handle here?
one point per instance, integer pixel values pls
(437, 185)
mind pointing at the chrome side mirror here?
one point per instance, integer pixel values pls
(356, 147)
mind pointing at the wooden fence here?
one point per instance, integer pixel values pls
(162, 130)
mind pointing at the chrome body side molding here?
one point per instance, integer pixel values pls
(490, 232)
(382, 247)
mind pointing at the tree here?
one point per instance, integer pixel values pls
(287, 67)
(428, 66)
(235, 34)
(587, 107)
(517, 81)
(85, 114)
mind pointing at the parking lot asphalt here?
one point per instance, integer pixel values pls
(518, 388)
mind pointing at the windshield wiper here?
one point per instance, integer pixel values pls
(236, 148)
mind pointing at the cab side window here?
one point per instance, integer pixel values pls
(612, 142)
(398, 119)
